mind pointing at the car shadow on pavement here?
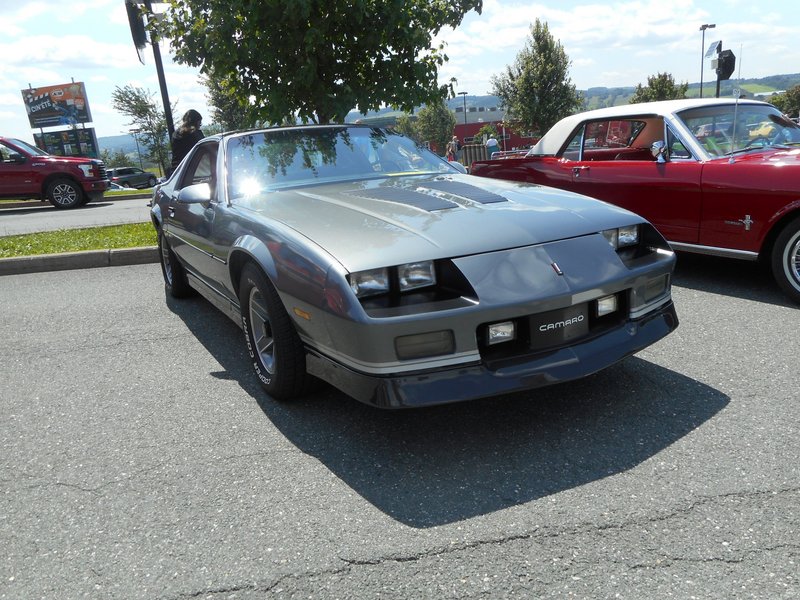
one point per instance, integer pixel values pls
(729, 277)
(439, 465)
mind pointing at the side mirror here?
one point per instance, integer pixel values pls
(195, 194)
(16, 158)
(658, 149)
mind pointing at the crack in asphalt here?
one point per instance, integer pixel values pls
(350, 563)
(668, 561)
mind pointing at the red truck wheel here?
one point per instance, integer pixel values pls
(64, 193)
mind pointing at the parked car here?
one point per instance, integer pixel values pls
(132, 177)
(715, 176)
(65, 181)
(354, 255)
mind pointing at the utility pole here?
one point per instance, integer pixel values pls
(138, 32)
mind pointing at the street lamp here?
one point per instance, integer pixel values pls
(464, 95)
(703, 28)
(133, 132)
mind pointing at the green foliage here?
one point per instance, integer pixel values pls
(536, 90)
(227, 111)
(315, 59)
(487, 130)
(435, 124)
(405, 125)
(659, 87)
(133, 235)
(788, 102)
(138, 105)
(115, 159)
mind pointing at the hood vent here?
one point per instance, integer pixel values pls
(465, 190)
(401, 195)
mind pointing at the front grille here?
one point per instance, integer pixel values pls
(546, 332)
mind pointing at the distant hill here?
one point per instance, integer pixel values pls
(596, 97)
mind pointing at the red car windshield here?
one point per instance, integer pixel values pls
(731, 127)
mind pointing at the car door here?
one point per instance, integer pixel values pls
(17, 175)
(138, 177)
(200, 233)
(668, 194)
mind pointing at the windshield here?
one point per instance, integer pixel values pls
(278, 159)
(730, 128)
(30, 149)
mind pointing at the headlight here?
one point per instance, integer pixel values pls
(403, 278)
(622, 237)
(369, 283)
(416, 275)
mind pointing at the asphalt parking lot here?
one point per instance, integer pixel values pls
(140, 459)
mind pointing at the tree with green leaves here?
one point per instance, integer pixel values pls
(227, 111)
(405, 124)
(486, 132)
(116, 159)
(536, 90)
(316, 60)
(788, 102)
(145, 115)
(659, 87)
(435, 124)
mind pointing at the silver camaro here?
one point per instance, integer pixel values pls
(353, 255)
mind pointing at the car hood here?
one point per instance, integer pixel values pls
(774, 155)
(403, 219)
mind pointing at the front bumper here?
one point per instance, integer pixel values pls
(442, 386)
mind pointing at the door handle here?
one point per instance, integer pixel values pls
(171, 211)
(576, 171)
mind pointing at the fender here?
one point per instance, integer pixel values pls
(249, 247)
(786, 211)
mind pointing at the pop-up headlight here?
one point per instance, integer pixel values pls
(369, 283)
(622, 237)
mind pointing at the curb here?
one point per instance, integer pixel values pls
(45, 204)
(89, 259)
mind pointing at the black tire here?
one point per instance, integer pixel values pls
(175, 282)
(277, 354)
(152, 182)
(786, 260)
(64, 193)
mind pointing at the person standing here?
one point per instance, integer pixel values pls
(186, 136)
(452, 149)
(491, 146)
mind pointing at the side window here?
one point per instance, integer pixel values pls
(573, 149)
(202, 167)
(677, 150)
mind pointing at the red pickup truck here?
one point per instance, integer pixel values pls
(65, 181)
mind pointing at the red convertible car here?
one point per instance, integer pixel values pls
(715, 176)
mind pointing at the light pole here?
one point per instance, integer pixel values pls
(133, 132)
(703, 28)
(464, 95)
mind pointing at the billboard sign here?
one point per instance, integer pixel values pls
(69, 142)
(57, 105)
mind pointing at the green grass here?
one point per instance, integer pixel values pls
(134, 235)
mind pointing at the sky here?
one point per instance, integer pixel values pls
(610, 44)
